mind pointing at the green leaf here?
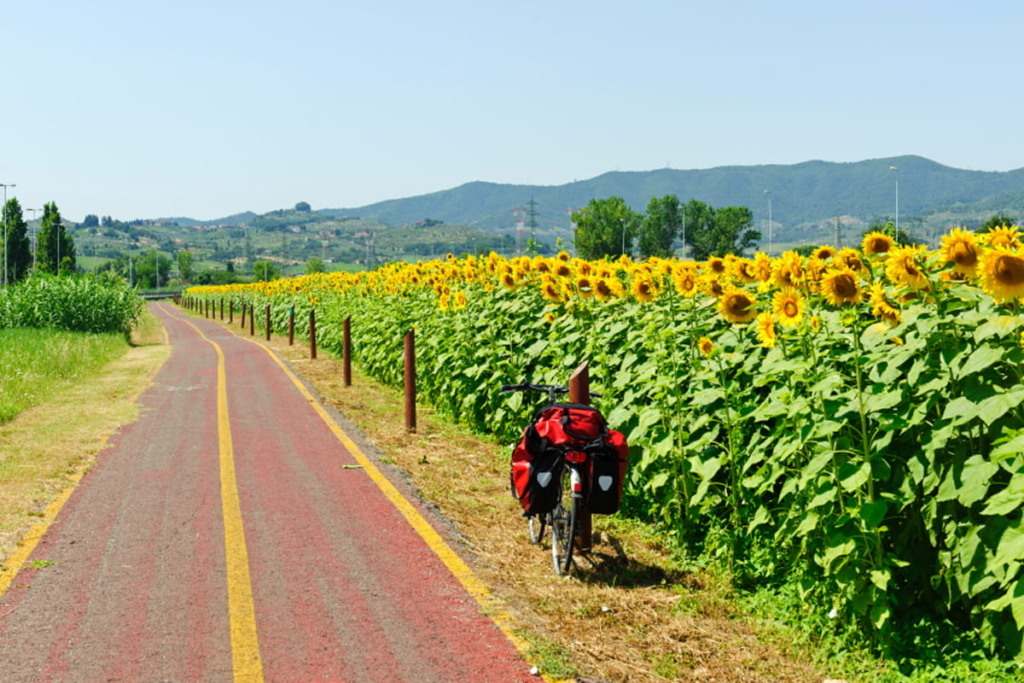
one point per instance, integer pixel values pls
(960, 410)
(881, 578)
(877, 403)
(994, 407)
(760, 517)
(852, 476)
(657, 481)
(809, 523)
(1009, 499)
(880, 614)
(974, 480)
(1001, 325)
(840, 547)
(981, 358)
(1017, 603)
(1011, 545)
(873, 513)
(825, 496)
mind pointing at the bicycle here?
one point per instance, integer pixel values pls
(570, 515)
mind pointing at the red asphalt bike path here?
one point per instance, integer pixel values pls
(344, 589)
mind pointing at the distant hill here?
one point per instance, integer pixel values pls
(806, 198)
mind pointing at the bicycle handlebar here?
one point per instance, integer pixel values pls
(550, 389)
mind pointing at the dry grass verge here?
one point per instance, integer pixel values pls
(628, 615)
(43, 446)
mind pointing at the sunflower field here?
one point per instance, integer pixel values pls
(849, 423)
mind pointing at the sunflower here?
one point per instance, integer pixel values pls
(712, 286)
(738, 306)
(788, 270)
(549, 317)
(584, 287)
(881, 307)
(643, 289)
(1002, 273)
(584, 267)
(766, 330)
(824, 252)
(851, 258)
(563, 270)
(685, 281)
(841, 286)
(814, 323)
(541, 265)
(706, 346)
(905, 267)
(602, 290)
(742, 270)
(876, 243)
(563, 256)
(789, 306)
(459, 301)
(508, 281)
(550, 291)
(716, 265)
(961, 248)
(1006, 236)
(442, 302)
(763, 270)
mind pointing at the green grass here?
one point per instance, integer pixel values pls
(37, 363)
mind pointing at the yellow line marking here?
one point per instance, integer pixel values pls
(490, 605)
(13, 564)
(245, 646)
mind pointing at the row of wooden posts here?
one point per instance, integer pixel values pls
(209, 310)
(579, 381)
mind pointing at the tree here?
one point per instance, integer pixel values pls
(315, 265)
(605, 228)
(186, 265)
(265, 271)
(17, 250)
(152, 271)
(55, 250)
(660, 227)
(717, 232)
(999, 220)
(303, 206)
(90, 221)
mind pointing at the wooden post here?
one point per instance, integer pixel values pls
(206, 308)
(222, 308)
(312, 333)
(252, 320)
(346, 351)
(231, 311)
(291, 326)
(410, 381)
(243, 315)
(268, 322)
(579, 392)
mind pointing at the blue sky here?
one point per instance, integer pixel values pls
(203, 109)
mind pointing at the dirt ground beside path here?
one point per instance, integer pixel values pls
(625, 616)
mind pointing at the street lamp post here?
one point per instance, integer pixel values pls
(769, 193)
(5, 186)
(623, 236)
(894, 169)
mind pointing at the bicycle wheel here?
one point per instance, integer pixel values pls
(563, 528)
(537, 524)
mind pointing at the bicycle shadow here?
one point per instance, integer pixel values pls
(608, 564)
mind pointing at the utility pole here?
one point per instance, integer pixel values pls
(532, 218)
(839, 234)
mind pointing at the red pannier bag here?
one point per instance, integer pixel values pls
(539, 457)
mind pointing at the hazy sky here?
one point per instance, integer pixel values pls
(203, 109)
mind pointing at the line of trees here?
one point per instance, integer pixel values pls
(608, 228)
(54, 249)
